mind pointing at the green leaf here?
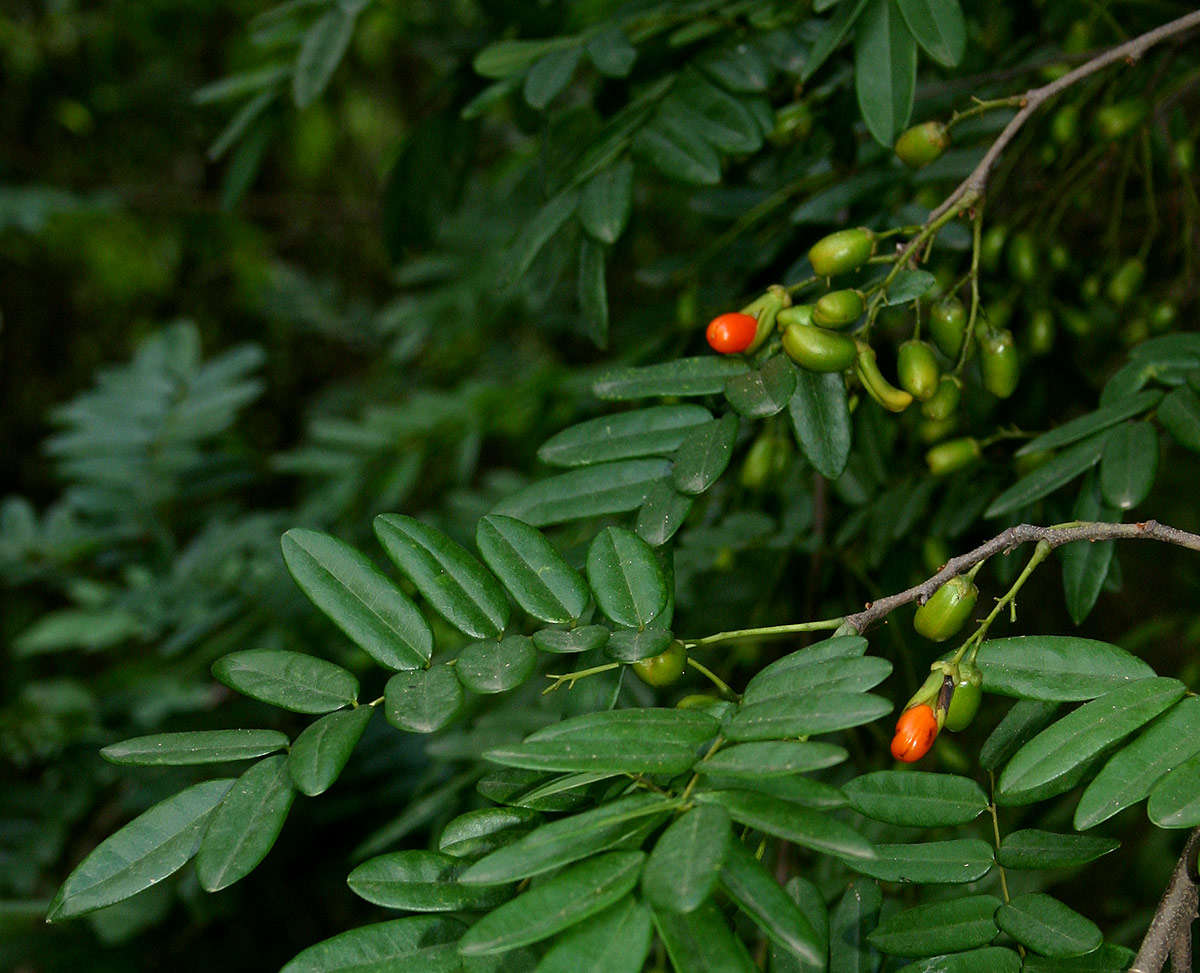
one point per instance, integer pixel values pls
(621, 756)
(529, 566)
(358, 599)
(321, 52)
(832, 35)
(795, 789)
(587, 638)
(606, 202)
(607, 488)
(625, 577)
(148, 849)
(420, 881)
(616, 940)
(800, 825)
(990, 959)
(1179, 415)
(842, 675)
(535, 234)
(196, 747)
(717, 116)
(1020, 724)
(916, 798)
(1056, 667)
(764, 392)
(838, 647)
(1175, 800)
(630, 645)
(1035, 850)
(655, 431)
(700, 942)
(908, 286)
(885, 70)
(321, 751)
(1046, 926)
(672, 147)
(1085, 563)
(820, 419)
(757, 894)
(1044, 480)
(1107, 959)
(1093, 422)
(690, 728)
(496, 667)
(1131, 773)
(1129, 464)
(939, 927)
(241, 84)
(612, 53)
(568, 839)
(938, 26)
(704, 454)
(738, 67)
(423, 700)
(774, 758)
(245, 825)
(705, 375)
(812, 906)
(290, 680)
(482, 832)
(593, 291)
(682, 870)
(425, 943)
(506, 58)
(929, 863)
(663, 513)
(784, 717)
(458, 587)
(1084, 733)
(556, 904)
(853, 920)
(550, 74)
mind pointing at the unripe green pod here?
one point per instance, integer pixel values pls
(1117, 120)
(837, 309)
(1124, 283)
(921, 144)
(1089, 290)
(697, 701)
(1077, 322)
(1041, 332)
(943, 404)
(931, 431)
(964, 704)
(947, 609)
(991, 247)
(818, 350)
(917, 370)
(1184, 153)
(756, 467)
(999, 363)
(876, 386)
(1163, 316)
(1023, 258)
(1064, 124)
(948, 326)
(764, 310)
(953, 455)
(664, 668)
(796, 314)
(1060, 257)
(841, 252)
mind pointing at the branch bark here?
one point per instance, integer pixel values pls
(1148, 530)
(975, 183)
(1170, 929)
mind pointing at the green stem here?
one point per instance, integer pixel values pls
(714, 679)
(1040, 553)
(969, 334)
(573, 677)
(691, 785)
(768, 631)
(982, 107)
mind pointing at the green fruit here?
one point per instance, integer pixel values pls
(998, 362)
(1184, 153)
(947, 609)
(932, 430)
(818, 350)
(1117, 120)
(697, 701)
(875, 385)
(1064, 124)
(837, 309)
(1077, 322)
(841, 252)
(796, 314)
(1124, 284)
(756, 467)
(964, 704)
(1023, 258)
(949, 457)
(917, 370)
(943, 404)
(662, 669)
(792, 122)
(991, 247)
(948, 326)
(1089, 290)
(921, 144)
(1163, 316)
(1041, 332)
(1060, 257)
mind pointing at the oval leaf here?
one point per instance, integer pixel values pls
(425, 943)
(939, 927)
(820, 419)
(809, 715)
(496, 667)
(535, 574)
(321, 751)
(916, 798)
(587, 638)
(1035, 850)
(763, 393)
(757, 894)
(616, 940)
(606, 201)
(800, 825)
(929, 863)
(626, 578)
(608, 488)
(423, 700)
(1046, 926)
(938, 26)
(419, 881)
(290, 680)
(772, 759)
(705, 375)
(704, 454)
(682, 870)
(885, 70)
(1175, 800)
(196, 747)
(653, 431)
(1056, 667)
(1129, 464)
(700, 942)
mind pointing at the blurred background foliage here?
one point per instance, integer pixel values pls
(212, 334)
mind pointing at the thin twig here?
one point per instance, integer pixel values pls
(1056, 536)
(1170, 929)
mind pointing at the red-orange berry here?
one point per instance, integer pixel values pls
(916, 730)
(731, 333)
